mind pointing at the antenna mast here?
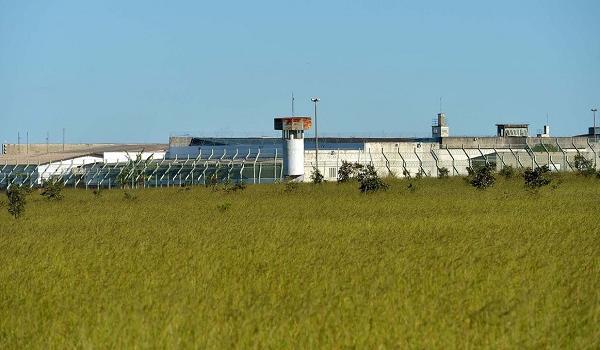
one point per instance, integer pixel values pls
(292, 104)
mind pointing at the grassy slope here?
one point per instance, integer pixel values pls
(445, 266)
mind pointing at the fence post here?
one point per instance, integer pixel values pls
(275, 166)
(387, 162)
(453, 162)
(405, 172)
(420, 163)
(468, 158)
(435, 158)
(594, 152)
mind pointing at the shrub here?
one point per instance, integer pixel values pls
(421, 174)
(584, 166)
(345, 172)
(370, 181)
(443, 173)
(17, 198)
(482, 177)
(406, 173)
(316, 177)
(52, 190)
(508, 172)
(348, 171)
(240, 186)
(536, 178)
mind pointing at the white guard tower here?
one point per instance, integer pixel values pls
(292, 132)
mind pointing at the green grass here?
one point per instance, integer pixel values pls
(444, 266)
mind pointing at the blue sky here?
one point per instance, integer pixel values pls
(138, 71)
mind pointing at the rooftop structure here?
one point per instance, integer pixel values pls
(512, 130)
(440, 129)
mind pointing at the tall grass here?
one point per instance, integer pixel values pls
(436, 265)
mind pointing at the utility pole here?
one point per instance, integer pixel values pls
(315, 100)
(594, 110)
(18, 142)
(47, 141)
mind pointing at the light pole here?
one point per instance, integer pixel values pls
(315, 100)
(594, 110)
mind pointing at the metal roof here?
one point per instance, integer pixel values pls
(97, 150)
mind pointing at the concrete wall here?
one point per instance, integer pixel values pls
(512, 142)
(429, 159)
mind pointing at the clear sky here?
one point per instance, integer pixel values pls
(138, 71)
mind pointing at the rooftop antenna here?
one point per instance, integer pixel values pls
(292, 104)
(441, 105)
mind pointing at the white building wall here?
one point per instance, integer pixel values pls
(125, 156)
(394, 159)
(64, 168)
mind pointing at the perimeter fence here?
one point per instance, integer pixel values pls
(262, 166)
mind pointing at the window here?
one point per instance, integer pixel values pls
(332, 172)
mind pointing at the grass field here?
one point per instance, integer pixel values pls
(441, 265)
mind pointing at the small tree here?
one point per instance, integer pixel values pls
(443, 173)
(370, 181)
(482, 177)
(316, 176)
(52, 189)
(584, 166)
(349, 171)
(508, 172)
(17, 198)
(345, 172)
(536, 178)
